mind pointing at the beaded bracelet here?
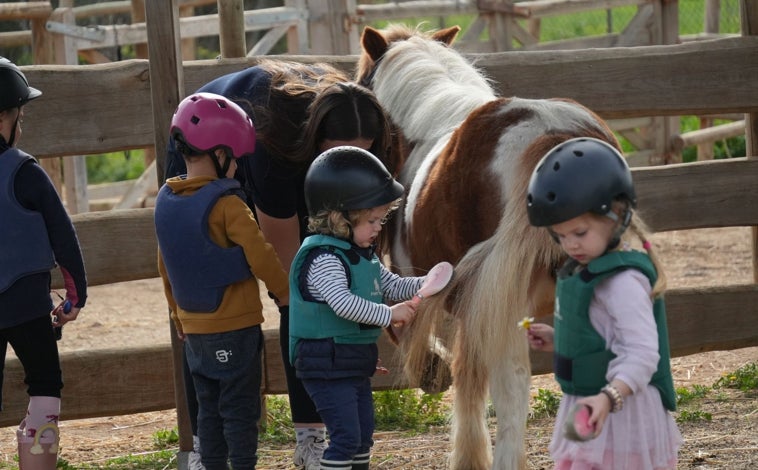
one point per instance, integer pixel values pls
(617, 401)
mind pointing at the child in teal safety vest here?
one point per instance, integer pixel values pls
(337, 289)
(609, 336)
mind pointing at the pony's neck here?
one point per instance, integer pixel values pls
(428, 89)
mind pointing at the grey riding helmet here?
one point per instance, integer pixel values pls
(348, 178)
(577, 176)
(14, 87)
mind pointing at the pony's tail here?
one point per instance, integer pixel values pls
(426, 343)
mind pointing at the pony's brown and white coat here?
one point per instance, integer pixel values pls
(469, 158)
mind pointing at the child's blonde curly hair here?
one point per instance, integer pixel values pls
(339, 223)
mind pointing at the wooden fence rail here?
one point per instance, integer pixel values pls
(616, 83)
(114, 382)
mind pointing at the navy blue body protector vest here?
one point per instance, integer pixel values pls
(23, 235)
(580, 358)
(199, 270)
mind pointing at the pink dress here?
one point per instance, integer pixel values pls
(643, 435)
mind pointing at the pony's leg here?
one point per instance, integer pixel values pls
(470, 437)
(510, 376)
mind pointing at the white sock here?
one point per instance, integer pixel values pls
(318, 433)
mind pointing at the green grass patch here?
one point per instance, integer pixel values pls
(409, 410)
(545, 404)
(744, 379)
(687, 395)
(277, 428)
(687, 416)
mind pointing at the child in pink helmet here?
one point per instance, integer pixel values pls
(211, 253)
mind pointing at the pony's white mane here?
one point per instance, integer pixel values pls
(428, 89)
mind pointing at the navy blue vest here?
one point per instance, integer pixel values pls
(23, 235)
(199, 270)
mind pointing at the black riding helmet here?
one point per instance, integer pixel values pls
(348, 178)
(14, 88)
(577, 176)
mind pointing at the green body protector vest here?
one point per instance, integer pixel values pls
(581, 359)
(316, 320)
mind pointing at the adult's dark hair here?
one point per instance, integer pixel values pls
(280, 119)
(346, 111)
(309, 103)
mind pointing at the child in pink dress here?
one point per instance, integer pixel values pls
(609, 338)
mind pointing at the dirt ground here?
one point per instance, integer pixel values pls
(135, 312)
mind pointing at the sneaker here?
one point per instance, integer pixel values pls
(195, 462)
(308, 453)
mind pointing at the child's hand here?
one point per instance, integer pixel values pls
(402, 313)
(380, 369)
(180, 332)
(540, 337)
(61, 316)
(600, 407)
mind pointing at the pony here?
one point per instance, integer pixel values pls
(465, 159)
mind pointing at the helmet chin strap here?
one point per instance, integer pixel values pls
(623, 223)
(221, 171)
(12, 139)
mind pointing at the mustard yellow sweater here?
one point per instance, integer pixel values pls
(230, 223)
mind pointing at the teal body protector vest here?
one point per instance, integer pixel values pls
(316, 320)
(23, 235)
(581, 360)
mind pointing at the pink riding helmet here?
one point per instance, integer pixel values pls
(206, 121)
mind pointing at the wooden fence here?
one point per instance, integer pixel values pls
(109, 105)
(320, 27)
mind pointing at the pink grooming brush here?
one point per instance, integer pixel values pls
(577, 426)
(435, 281)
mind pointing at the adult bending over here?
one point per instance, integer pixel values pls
(299, 111)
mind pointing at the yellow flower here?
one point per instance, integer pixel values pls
(526, 322)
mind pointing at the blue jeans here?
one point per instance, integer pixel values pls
(347, 407)
(226, 370)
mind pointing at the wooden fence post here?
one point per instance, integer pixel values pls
(297, 36)
(74, 166)
(141, 52)
(43, 53)
(330, 27)
(749, 27)
(231, 19)
(166, 92)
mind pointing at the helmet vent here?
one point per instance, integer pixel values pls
(194, 119)
(578, 153)
(221, 104)
(556, 166)
(551, 196)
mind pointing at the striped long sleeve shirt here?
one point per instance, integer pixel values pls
(327, 281)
